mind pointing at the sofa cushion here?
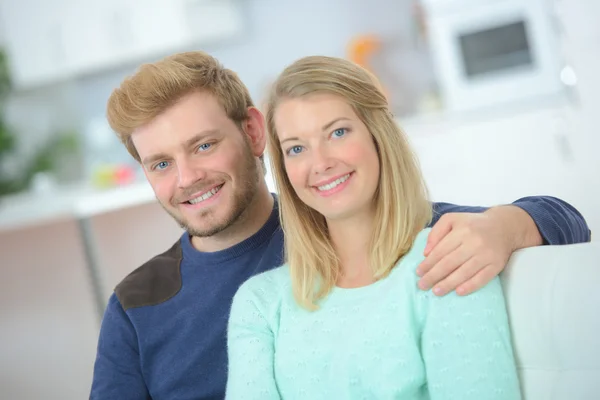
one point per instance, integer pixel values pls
(553, 301)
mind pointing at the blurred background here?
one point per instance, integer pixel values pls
(500, 98)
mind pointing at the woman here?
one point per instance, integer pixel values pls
(344, 319)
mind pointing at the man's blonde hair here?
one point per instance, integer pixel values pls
(401, 198)
(157, 86)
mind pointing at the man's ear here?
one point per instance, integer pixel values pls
(254, 127)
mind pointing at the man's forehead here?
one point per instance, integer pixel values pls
(183, 122)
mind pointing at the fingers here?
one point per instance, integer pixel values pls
(459, 277)
(438, 232)
(447, 265)
(479, 280)
(448, 244)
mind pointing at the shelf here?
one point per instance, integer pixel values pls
(77, 201)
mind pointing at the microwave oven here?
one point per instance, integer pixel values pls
(492, 52)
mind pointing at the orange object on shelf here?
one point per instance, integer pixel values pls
(361, 49)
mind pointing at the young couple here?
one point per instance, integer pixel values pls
(379, 297)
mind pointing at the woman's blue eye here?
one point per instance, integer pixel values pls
(204, 146)
(295, 150)
(339, 132)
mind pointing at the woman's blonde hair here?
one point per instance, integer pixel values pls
(401, 199)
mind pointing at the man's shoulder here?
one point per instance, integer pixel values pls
(156, 281)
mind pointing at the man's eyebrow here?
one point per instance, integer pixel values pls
(199, 136)
(190, 142)
(153, 158)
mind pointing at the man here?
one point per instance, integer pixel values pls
(193, 127)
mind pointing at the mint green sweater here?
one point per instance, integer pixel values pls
(388, 340)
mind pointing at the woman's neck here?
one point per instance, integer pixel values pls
(351, 238)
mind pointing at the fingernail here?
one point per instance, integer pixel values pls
(422, 285)
(437, 291)
(419, 271)
(461, 291)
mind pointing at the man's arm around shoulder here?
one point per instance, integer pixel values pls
(556, 221)
(117, 370)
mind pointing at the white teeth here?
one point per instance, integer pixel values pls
(205, 196)
(333, 184)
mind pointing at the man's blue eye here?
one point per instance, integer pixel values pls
(295, 150)
(161, 165)
(204, 146)
(339, 132)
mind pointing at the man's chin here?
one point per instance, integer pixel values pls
(196, 228)
(205, 228)
(205, 231)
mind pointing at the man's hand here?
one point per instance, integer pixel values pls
(465, 251)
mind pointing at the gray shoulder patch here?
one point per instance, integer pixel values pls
(154, 282)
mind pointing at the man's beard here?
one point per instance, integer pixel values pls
(248, 180)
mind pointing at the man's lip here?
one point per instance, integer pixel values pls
(328, 181)
(198, 194)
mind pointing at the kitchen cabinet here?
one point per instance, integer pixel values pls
(51, 41)
(34, 40)
(50, 322)
(498, 158)
(50, 314)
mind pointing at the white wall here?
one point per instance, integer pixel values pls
(49, 321)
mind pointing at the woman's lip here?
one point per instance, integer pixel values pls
(328, 181)
(338, 188)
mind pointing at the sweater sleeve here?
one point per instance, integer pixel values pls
(557, 221)
(250, 344)
(466, 346)
(117, 370)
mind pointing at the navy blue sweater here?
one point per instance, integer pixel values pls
(163, 334)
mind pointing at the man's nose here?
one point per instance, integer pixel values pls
(188, 174)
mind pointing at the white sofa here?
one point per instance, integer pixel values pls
(553, 300)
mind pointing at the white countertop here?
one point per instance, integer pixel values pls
(77, 201)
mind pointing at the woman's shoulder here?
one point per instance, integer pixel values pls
(256, 306)
(420, 242)
(414, 256)
(266, 286)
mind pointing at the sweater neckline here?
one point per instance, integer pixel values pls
(259, 238)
